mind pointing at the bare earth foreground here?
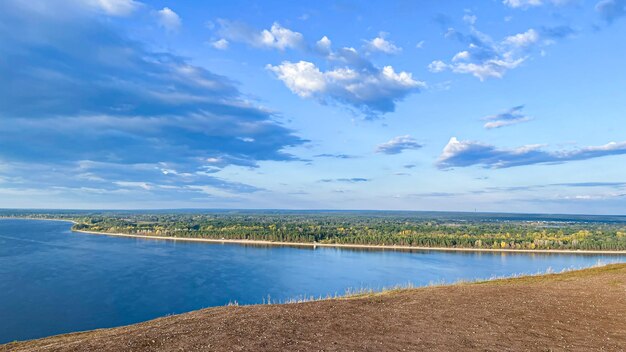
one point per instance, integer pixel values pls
(580, 310)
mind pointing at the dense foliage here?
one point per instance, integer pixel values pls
(374, 228)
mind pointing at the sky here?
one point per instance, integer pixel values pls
(495, 106)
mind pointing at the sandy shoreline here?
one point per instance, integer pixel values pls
(353, 246)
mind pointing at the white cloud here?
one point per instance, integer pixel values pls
(114, 7)
(380, 44)
(398, 144)
(323, 45)
(371, 91)
(502, 123)
(463, 55)
(221, 44)
(510, 117)
(495, 68)
(523, 40)
(437, 66)
(280, 37)
(169, 19)
(485, 58)
(351, 78)
(302, 78)
(277, 37)
(467, 153)
(522, 3)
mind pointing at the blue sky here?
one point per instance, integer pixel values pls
(514, 105)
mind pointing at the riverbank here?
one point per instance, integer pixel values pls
(353, 246)
(582, 310)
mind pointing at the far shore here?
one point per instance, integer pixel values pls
(354, 246)
(334, 245)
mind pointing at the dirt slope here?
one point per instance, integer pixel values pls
(577, 311)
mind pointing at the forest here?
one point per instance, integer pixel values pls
(455, 230)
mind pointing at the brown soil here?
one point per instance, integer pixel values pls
(576, 311)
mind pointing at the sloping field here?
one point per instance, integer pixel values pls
(576, 311)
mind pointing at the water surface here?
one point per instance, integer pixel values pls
(55, 281)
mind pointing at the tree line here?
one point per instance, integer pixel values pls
(367, 230)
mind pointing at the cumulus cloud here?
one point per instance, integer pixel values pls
(302, 78)
(610, 10)
(522, 40)
(467, 153)
(372, 91)
(510, 117)
(169, 19)
(276, 37)
(280, 37)
(349, 79)
(380, 44)
(107, 105)
(485, 58)
(324, 45)
(398, 144)
(437, 66)
(460, 56)
(221, 44)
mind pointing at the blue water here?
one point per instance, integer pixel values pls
(55, 281)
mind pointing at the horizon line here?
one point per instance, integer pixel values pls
(304, 210)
